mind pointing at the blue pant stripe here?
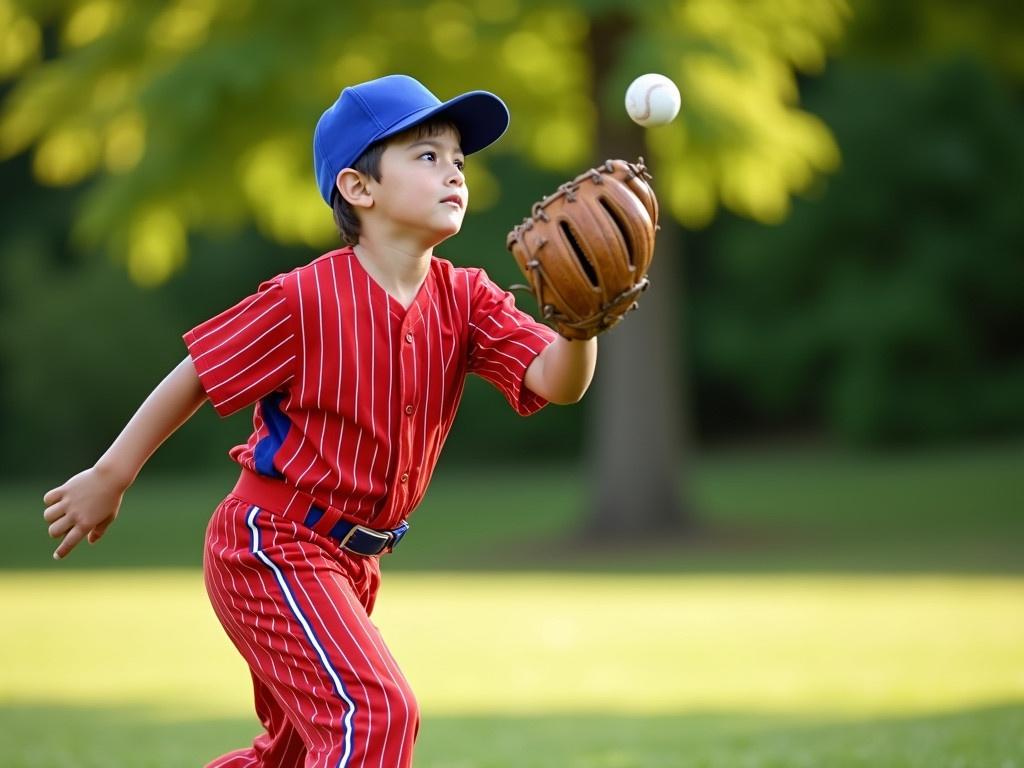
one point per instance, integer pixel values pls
(289, 597)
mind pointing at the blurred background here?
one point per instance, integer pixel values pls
(799, 476)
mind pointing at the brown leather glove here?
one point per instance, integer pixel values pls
(586, 248)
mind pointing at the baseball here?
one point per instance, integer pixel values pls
(652, 100)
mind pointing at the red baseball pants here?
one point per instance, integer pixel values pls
(297, 607)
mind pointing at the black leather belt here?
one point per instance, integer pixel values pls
(359, 538)
(275, 496)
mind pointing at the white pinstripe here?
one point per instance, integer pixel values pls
(402, 377)
(487, 366)
(498, 362)
(435, 439)
(312, 605)
(305, 651)
(393, 672)
(358, 377)
(320, 386)
(373, 392)
(468, 326)
(293, 734)
(305, 368)
(519, 324)
(497, 338)
(391, 406)
(246, 348)
(242, 309)
(257, 609)
(425, 400)
(226, 595)
(415, 380)
(336, 465)
(357, 610)
(320, 327)
(310, 635)
(256, 384)
(252, 322)
(255, 362)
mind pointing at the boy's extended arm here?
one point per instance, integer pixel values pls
(88, 502)
(563, 371)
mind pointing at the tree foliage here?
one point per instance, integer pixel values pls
(885, 307)
(901, 35)
(890, 306)
(196, 115)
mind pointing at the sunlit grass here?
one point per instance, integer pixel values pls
(530, 644)
(832, 611)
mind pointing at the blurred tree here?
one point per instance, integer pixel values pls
(195, 115)
(903, 34)
(890, 307)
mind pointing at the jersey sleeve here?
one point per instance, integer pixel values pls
(503, 341)
(247, 351)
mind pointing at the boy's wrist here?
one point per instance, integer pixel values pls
(114, 474)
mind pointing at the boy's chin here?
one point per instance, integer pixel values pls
(446, 232)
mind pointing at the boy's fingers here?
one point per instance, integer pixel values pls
(54, 495)
(53, 513)
(97, 533)
(74, 536)
(62, 526)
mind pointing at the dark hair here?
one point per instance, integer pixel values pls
(368, 164)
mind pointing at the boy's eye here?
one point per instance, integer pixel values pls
(432, 156)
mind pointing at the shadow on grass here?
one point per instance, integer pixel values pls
(41, 736)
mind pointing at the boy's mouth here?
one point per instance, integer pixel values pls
(454, 199)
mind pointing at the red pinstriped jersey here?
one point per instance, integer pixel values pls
(354, 394)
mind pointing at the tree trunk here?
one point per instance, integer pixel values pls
(636, 427)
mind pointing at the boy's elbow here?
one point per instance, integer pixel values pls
(569, 396)
(567, 400)
(562, 374)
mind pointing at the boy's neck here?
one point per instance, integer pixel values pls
(399, 271)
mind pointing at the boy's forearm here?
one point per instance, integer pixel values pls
(169, 406)
(563, 371)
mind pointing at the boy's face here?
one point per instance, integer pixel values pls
(422, 190)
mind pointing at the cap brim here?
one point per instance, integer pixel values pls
(480, 116)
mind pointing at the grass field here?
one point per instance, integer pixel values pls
(832, 612)
(576, 670)
(951, 512)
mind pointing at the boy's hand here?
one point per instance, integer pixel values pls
(83, 507)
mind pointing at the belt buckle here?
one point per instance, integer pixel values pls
(382, 536)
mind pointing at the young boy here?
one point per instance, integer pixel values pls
(356, 364)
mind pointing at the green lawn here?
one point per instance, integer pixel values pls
(953, 512)
(831, 612)
(550, 669)
(102, 737)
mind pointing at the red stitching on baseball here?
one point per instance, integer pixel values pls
(647, 100)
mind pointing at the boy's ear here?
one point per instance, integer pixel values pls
(354, 188)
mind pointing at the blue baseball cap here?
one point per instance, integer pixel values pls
(376, 109)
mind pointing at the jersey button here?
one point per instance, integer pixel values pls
(408, 337)
(405, 477)
(409, 409)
